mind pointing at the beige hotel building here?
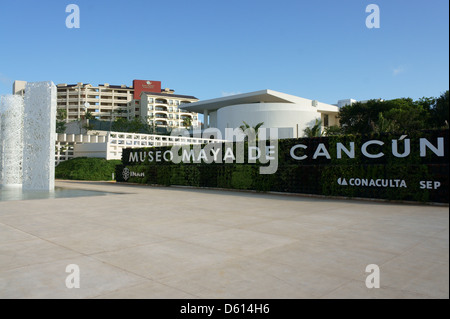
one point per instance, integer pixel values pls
(145, 99)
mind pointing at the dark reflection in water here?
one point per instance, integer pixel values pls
(59, 192)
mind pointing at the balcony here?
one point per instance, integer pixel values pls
(161, 101)
(161, 108)
(187, 116)
(160, 116)
(161, 122)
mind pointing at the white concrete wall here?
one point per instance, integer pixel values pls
(90, 150)
(213, 119)
(274, 115)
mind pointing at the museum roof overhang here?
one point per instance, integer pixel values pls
(263, 96)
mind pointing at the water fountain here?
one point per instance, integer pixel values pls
(27, 146)
(27, 139)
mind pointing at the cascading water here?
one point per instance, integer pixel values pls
(27, 138)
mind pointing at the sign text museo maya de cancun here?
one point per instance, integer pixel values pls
(270, 153)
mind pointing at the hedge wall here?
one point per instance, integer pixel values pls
(313, 176)
(83, 168)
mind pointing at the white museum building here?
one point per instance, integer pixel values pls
(288, 113)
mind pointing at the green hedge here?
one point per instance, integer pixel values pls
(83, 168)
(319, 176)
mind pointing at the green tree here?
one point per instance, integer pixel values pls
(358, 117)
(187, 122)
(315, 130)
(383, 125)
(439, 111)
(378, 116)
(61, 115)
(135, 125)
(254, 129)
(333, 130)
(89, 116)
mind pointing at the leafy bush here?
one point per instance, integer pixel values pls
(83, 168)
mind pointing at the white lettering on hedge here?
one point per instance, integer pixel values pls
(211, 153)
(367, 154)
(133, 157)
(407, 147)
(298, 158)
(270, 150)
(170, 157)
(439, 150)
(229, 155)
(252, 150)
(393, 183)
(321, 149)
(350, 153)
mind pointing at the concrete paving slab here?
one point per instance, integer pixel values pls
(168, 242)
(234, 279)
(239, 241)
(48, 280)
(28, 252)
(163, 259)
(11, 234)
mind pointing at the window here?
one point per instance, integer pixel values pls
(170, 102)
(325, 120)
(150, 107)
(170, 116)
(150, 100)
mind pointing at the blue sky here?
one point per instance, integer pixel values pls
(209, 48)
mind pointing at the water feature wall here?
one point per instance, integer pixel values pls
(39, 136)
(27, 138)
(11, 140)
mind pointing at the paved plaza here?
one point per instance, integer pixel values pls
(170, 242)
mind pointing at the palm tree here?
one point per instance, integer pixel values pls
(384, 125)
(315, 131)
(187, 122)
(255, 128)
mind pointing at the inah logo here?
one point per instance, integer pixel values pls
(342, 181)
(126, 173)
(148, 82)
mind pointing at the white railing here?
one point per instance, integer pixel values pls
(117, 141)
